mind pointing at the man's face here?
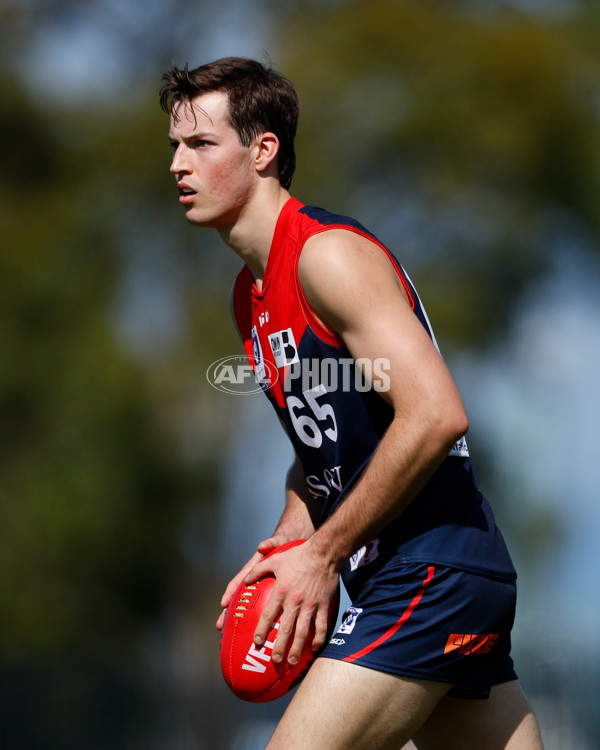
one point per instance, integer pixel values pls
(214, 172)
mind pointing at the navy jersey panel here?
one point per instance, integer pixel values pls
(335, 416)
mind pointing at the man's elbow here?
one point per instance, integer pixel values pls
(456, 424)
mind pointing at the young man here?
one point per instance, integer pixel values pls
(382, 487)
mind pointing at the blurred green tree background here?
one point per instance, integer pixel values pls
(465, 134)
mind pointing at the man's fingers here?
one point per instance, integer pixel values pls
(258, 571)
(301, 633)
(264, 548)
(286, 628)
(221, 620)
(227, 596)
(269, 615)
(235, 582)
(268, 545)
(230, 590)
(321, 628)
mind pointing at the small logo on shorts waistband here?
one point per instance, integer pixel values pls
(349, 620)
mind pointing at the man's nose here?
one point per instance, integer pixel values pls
(179, 163)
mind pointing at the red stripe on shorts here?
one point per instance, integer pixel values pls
(397, 625)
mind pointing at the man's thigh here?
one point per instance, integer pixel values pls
(341, 705)
(505, 721)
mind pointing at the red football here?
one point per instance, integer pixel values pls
(250, 671)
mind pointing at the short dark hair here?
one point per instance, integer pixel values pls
(260, 100)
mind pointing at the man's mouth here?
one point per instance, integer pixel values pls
(186, 194)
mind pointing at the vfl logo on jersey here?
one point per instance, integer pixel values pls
(259, 362)
(283, 346)
(349, 621)
(365, 555)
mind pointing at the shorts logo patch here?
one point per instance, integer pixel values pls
(471, 643)
(349, 621)
(365, 555)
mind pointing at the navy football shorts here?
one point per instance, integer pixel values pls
(431, 622)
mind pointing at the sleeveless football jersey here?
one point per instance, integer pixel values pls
(333, 413)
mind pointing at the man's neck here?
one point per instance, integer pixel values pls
(252, 234)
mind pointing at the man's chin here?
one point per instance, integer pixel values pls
(197, 221)
(206, 222)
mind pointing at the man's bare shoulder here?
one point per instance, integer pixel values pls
(339, 267)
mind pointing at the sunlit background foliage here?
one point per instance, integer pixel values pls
(465, 134)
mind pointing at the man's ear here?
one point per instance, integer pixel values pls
(267, 148)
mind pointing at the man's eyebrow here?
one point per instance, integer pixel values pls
(192, 136)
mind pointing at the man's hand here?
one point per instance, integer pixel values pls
(304, 587)
(263, 549)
